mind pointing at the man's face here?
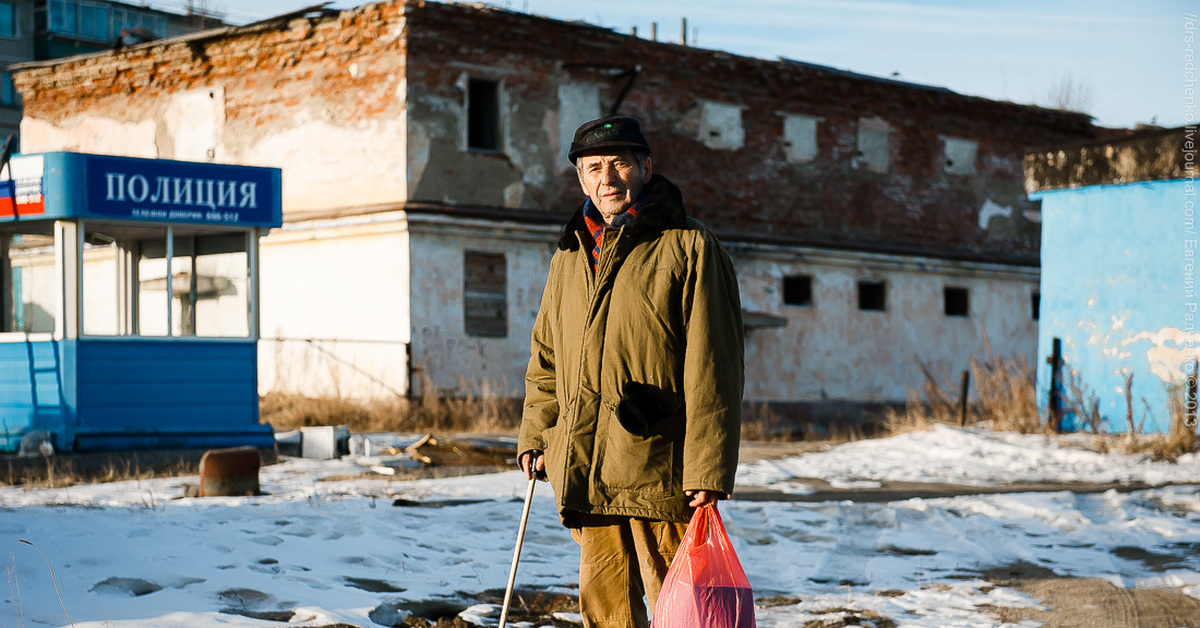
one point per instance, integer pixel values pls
(612, 181)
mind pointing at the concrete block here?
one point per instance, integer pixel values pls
(324, 442)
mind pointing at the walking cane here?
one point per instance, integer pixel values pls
(512, 572)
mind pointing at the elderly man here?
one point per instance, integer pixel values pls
(634, 386)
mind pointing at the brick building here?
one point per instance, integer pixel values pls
(876, 225)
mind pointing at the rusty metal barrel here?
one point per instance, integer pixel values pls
(230, 472)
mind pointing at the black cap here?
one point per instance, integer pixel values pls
(611, 132)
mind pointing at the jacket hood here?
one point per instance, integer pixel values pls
(662, 209)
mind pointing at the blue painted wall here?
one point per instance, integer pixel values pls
(120, 393)
(32, 390)
(169, 393)
(1114, 286)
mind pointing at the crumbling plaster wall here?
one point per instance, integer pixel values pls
(321, 98)
(442, 352)
(830, 350)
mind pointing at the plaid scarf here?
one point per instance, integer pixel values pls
(596, 226)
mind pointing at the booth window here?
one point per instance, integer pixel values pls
(208, 288)
(101, 285)
(29, 281)
(485, 295)
(123, 287)
(1035, 306)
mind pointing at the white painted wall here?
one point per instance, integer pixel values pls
(335, 314)
(90, 134)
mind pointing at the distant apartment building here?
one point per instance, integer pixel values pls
(51, 29)
(16, 46)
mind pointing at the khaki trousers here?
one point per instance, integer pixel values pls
(621, 559)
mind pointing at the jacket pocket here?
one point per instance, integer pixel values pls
(643, 406)
(644, 464)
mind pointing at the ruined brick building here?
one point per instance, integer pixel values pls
(876, 225)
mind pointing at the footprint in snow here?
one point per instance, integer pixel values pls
(136, 587)
(125, 587)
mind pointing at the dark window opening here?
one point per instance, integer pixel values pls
(1035, 305)
(485, 295)
(797, 290)
(956, 302)
(872, 296)
(483, 114)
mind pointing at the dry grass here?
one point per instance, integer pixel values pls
(477, 410)
(760, 423)
(763, 424)
(64, 471)
(1005, 399)
(1182, 436)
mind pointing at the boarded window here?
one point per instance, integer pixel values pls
(721, 126)
(958, 156)
(797, 290)
(872, 296)
(485, 295)
(873, 145)
(800, 138)
(483, 114)
(956, 301)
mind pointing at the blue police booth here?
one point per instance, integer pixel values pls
(129, 315)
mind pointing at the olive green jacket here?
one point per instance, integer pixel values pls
(634, 385)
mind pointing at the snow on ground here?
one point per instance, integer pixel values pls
(969, 457)
(314, 552)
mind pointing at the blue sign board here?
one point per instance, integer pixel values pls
(64, 185)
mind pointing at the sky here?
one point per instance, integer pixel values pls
(1129, 56)
(325, 544)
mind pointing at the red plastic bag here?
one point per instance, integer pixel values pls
(705, 586)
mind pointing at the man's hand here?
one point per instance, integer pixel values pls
(703, 498)
(533, 462)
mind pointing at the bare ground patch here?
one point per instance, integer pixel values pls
(1092, 602)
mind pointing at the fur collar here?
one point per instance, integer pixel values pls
(662, 210)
